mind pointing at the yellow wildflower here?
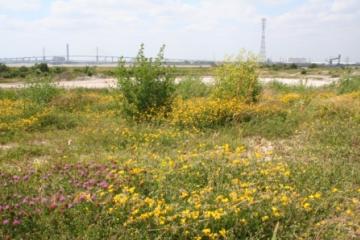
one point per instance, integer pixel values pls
(120, 199)
(307, 206)
(206, 231)
(184, 194)
(222, 232)
(275, 211)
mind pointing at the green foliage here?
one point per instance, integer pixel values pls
(147, 86)
(313, 65)
(272, 126)
(22, 71)
(349, 84)
(284, 88)
(42, 67)
(276, 66)
(41, 92)
(192, 87)
(58, 70)
(6, 72)
(57, 120)
(89, 71)
(8, 94)
(37, 70)
(293, 66)
(303, 71)
(238, 78)
(3, 68)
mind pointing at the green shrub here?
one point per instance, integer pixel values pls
(22, 71)
(192, 87)
(293, 66)
(6, 72)
(57, 120)
(89, 71)
(3, 68)
(313, 65)
(238, 78)
(285, 88)
(147, 86)
(58, 70)
(42, 67)
(349, 84)
(41, 92)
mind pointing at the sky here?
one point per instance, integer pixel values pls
(190, 29)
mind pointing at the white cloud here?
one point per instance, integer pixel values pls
(19, 5)
(201, 29)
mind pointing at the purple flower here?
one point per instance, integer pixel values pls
(16, 178)
(16, 222)
(25, 200)
(53, 206)
(61, 198)
(5, 222)
(103, 184)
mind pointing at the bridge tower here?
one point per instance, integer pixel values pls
(67, 53)
(44, 55)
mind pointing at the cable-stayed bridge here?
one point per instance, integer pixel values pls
(93, 60)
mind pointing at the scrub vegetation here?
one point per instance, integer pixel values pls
(281, 162)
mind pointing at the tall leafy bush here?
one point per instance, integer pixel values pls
(147, 86)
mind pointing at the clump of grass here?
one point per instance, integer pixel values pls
(349, 84)
(284, 88)
(41, 91)
(56, 120)
(192, 87)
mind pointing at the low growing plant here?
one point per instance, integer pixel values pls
(41, 92)
(349, 84)
(192, 87)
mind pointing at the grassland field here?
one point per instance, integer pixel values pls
(286, 167)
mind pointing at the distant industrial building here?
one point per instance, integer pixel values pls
(298, 60)
(58, 60)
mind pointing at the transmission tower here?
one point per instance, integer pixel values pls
(263, 42)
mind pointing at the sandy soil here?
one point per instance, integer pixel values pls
(111, 82)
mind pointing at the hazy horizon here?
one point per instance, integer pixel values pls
(191, 29)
